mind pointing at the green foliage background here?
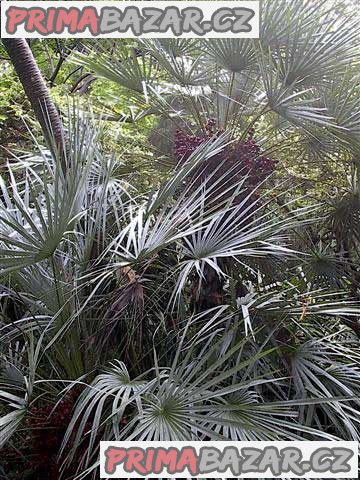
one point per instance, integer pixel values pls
(150, 296)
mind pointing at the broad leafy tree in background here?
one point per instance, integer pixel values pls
(36, 90)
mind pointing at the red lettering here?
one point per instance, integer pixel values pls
(149, 459)
(188, 458)
(165, 458)
(89, 19)
(113, 457)
(50, 19)
(67, 18)
(36, 16)
(133, 461)
(15, 16)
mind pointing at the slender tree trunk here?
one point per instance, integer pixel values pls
(37, 92)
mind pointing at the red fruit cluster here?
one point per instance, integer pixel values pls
(48, 425)
(239, 157)
(185, 144)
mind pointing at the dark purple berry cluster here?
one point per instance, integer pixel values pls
(47, 424)
(185, 144)
(241, 157)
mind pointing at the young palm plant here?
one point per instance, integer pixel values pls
(106, 282)
(218, 305)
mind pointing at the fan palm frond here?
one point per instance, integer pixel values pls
(319, 370)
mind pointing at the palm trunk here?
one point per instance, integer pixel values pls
(37, 92)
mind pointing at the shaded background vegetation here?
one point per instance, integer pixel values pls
(190, 269)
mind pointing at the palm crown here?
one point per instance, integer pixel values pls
(218, 304)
